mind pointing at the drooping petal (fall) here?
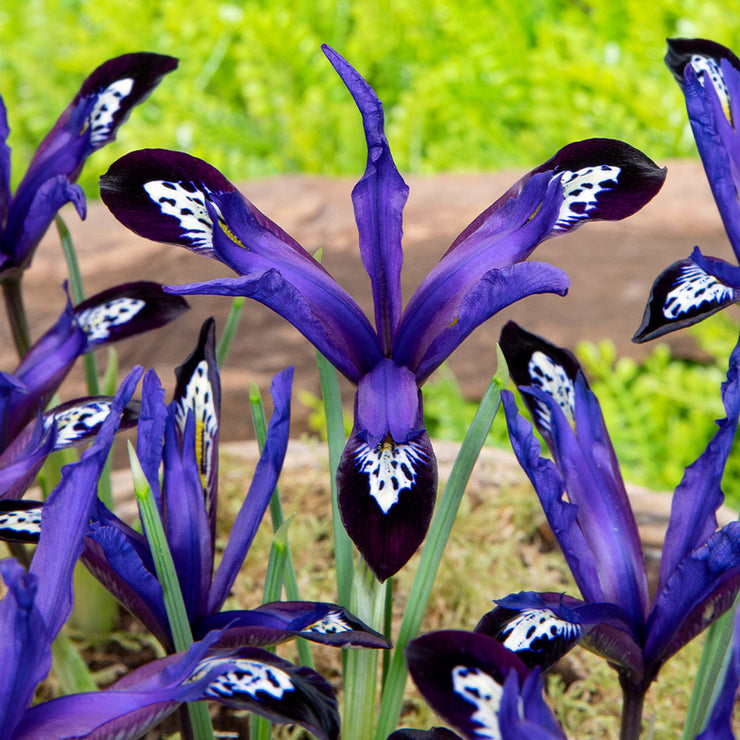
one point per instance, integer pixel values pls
(270, 624)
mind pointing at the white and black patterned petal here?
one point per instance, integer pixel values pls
(537, 635)
(164, 196)
(80, 419)
(386, 499)
(198, 390)
(581, 192)
(461, 675)
(705, 58)
(20, 521)
(260, 682)
(116, 87)
(534, 362)
(601, 179)
(682, 295)
(126, 310)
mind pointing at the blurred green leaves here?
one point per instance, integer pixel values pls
(467, 84)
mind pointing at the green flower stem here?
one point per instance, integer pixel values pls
(232, 323)
(361, 666)
(276, 512)
(439, 532)
(16, 311)
(182, 635)
(343, 556)
(710, 674)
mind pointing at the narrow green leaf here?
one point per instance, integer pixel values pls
(229, 332)
(710, 674)
(439, 532)
(167, 576)
(69, 667)
(343, 554)
(276, 512)
(77, 291)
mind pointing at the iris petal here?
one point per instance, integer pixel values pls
(386, 499)
(378, 198)
(684, 294)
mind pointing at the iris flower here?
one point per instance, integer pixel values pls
(120, 557)
(479, 687)
(696, 287)
(39, 602)
(27, 434)
(88, 123)
(584, 499)
(387, 475)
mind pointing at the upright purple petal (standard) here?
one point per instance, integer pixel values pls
(24, 651)
(378, 198)
(258, 497)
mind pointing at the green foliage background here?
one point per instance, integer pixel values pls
(467, 84)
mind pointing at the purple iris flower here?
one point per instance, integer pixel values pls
(185, 437)
(88, 123)
(388, 475)
(696, 287)
(27, 433)
(479, 687)
(39, 602)
(584, 499)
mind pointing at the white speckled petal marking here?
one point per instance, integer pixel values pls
(248, 678)
(198, 397)
(98, 321)
(76, 423)
(106, 106)
(391, 468)
(551, 378)
(695, 287)
(478, 688)
(581, 190)
(706, 67)
(188, 205)
(23, 521)
(331, 624)
(533, 625)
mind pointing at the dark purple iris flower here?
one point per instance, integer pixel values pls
(185, 437)
(88, 123)
(699, 286)
(28, 434)
(388, 476)
(480, 688)
(584, 499)
(39, 602)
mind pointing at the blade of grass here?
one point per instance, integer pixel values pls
(276, 512)
(260, 728)
(715, 657)
(439, 532)
(182, 635)
(343, 557)
(232, 323)
(77, 291)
